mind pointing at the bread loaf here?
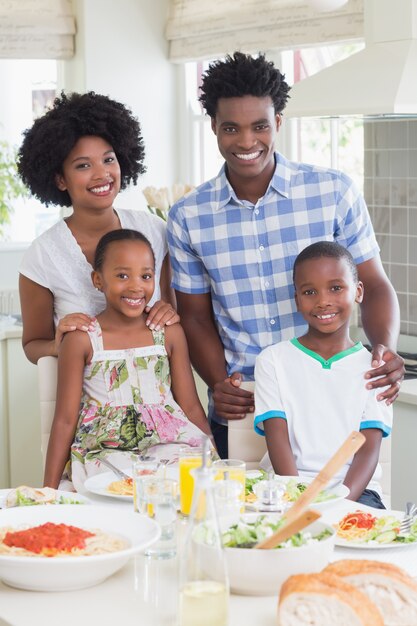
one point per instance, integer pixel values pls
(324, 600)
(392, 590)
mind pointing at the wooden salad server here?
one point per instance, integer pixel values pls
(343, 454)
(285, 532)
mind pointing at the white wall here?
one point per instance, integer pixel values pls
(121, 51)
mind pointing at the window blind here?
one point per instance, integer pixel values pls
(205, 29)
(36, 29)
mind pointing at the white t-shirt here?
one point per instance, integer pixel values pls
(322, 401)
(56, 261)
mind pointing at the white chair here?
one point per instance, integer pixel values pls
(244, 443)
(47, 380)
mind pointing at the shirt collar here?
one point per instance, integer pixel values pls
(280, 182)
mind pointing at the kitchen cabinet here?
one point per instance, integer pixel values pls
(20, 456)
(404, 447)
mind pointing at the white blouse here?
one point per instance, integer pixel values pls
(56, 261)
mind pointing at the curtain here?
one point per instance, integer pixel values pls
(204, 29)
(36, 29)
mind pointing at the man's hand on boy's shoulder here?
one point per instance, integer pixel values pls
(230, 401)
(391, 372)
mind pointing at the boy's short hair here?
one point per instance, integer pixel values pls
(329, 249)
(52, 136)
(243, 75)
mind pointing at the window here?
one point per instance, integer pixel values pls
(30, 86)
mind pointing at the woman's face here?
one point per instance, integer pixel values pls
(90, 174)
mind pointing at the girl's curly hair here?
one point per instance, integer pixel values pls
(48, 142)
(243, 75)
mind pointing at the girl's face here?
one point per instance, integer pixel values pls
(127, 276)
(326, 292)
(90, 174)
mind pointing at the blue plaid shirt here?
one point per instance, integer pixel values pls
(243, 253)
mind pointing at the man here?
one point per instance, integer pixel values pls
(233, 242)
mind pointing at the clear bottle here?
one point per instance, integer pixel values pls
(204, 584)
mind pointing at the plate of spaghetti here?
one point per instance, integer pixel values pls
(377, 530)
(108, 485)
(66, 548)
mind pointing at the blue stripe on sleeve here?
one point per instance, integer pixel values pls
(266, 416)
(386, 430)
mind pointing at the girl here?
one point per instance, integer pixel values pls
(81, 153)
(122, 371)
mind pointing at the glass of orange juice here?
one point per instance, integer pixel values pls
(231, 469)
(189, 459)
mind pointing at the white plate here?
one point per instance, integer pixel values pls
(98, 484)
(339, 491)
(342, 543)
(67, 573)
(77, 497)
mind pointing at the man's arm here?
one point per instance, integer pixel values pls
(207, 356)
(381, 322)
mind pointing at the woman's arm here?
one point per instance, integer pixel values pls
(164, 312)
(39, 335)
(364, 463)
(279, 447)
(73, 354)
(182, 379)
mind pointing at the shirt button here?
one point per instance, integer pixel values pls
(266, 283)
(272, 322)
(256, 211)
(261, 248)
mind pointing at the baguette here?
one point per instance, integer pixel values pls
(324, 600)
(392, 590)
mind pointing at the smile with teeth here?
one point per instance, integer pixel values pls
(327, 316)
(102, 189)
(133, 301)
(249, 157)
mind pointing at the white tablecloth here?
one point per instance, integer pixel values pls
(144, 593)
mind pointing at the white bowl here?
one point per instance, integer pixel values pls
(262, 572)
(74, 572)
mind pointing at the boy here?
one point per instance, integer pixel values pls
(309, 392)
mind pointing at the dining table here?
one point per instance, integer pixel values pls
(145, 591)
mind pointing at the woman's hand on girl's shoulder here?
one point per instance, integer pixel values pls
(161, 314)
(69, 323)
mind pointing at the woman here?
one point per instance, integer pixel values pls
(81, 153)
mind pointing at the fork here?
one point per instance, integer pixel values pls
(405, 525)
(115, 469)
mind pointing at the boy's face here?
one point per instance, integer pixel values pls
(246, 128)
(326, 292)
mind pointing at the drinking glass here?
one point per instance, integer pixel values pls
(143, 466)
(160, 500)
(189, 459)
(232, 469)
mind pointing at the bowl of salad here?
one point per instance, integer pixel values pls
(262, 572)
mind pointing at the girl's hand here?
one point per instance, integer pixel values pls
(161, 314)
(72, 321)
(391, 372)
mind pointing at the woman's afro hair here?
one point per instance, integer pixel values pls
(243, 75)
(48, 142)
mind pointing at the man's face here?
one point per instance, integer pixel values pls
(246, 128)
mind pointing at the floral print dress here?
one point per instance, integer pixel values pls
(126, 406)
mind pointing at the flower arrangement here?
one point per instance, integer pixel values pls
(160, 200)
